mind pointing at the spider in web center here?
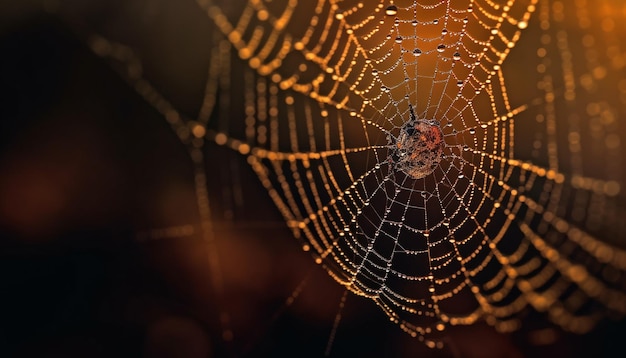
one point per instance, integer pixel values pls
(418, 149)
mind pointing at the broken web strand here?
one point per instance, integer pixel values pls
(516, 204)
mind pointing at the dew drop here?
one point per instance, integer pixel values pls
(391, 10)
(441, 48)
(456, 56)
(399, 39)
(417, 52)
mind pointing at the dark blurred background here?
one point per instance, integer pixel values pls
(91, 176)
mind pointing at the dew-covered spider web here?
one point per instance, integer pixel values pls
(387, 137)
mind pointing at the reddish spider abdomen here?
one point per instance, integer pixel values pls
(419, 148)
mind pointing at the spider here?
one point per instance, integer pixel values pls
(418, 149)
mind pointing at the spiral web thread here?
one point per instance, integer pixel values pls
(328, 87)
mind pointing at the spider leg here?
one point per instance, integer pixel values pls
(413, 116)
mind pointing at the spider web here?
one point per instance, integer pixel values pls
(328, 89)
